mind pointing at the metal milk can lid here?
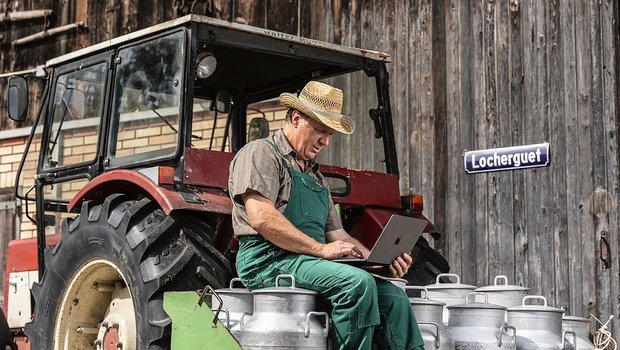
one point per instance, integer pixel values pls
(423, 299)
(502, 287)
(576, 319)
(532, 307)
(471, 303)
(231, 289)
(446, 286)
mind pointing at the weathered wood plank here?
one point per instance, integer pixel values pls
(412, 141)
(503, 262)
(468, 129)
(492, 241)
(451, 241)
(400, 92)
(306, 13)
(557, 140)
(543, 175)
(586, 189)
(426, 122)
(480, 120)
(569, 64)
(286, 21)
(530, 134)
(440, 159)
(602, 200)
(611, 110)
(253, 11)
(129, 22)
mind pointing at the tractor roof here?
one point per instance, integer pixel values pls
(216, 23)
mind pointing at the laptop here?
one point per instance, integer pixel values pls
(398, 236)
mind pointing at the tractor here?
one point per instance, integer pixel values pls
(125, 173)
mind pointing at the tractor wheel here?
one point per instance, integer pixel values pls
(104, 282)
(427, 264)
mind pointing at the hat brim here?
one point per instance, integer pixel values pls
(335, 121)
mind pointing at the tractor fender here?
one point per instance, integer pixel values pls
(169, 199)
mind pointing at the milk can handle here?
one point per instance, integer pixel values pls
(458, 279)
(536, 297)
(241, 321)
(316, 313)
(210, 289)
(485, 295)
(421, 289)
(436, 332)
(291, 277)
(232, 282)
(225, 311)
(503, 329)
(500, 277)
(573, 343)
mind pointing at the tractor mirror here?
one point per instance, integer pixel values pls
(223, 100)
(17, 98)
(259, 129)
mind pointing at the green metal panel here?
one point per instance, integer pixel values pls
(192, 324)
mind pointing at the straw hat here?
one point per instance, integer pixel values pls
(322, 103)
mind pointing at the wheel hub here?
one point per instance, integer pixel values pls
(96, 309)
(111, 339)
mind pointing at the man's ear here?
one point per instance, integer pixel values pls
(295, 118)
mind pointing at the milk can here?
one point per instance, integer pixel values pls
(285, 317)
(540, 326)
(501, 293)
(429, 314)
(581, 327)
(448, 293)
(479, 325)
(237, 306)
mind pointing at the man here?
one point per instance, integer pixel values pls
(285, 221)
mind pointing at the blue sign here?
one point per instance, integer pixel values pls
(507, 158)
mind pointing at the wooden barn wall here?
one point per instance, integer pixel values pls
(465, 75)
(523, 72)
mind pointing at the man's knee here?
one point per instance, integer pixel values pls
(391, 296)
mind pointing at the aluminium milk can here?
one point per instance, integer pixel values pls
(539, 326)
(237, 306)
(429, 314)
(581, 327)
(285, 318)
(501, 293)
(479, 326)
(448, 293)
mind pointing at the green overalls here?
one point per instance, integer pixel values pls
(359, 301)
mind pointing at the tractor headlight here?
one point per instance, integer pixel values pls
(206, 64)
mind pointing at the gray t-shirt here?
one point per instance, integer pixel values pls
(258, 167)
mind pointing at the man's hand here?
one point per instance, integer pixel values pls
(339, 249)
(400, 266)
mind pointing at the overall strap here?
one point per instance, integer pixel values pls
(287, 161)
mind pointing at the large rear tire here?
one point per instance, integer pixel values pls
(104, 281)
(427, 264)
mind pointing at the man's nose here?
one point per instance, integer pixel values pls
(325, 140)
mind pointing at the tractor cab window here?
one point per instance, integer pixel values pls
(360, 150)
(210, 128)
(76, 116)
(147, 101)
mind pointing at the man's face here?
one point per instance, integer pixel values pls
(312, 136)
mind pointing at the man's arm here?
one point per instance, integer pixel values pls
(271, 224)
(399, 266)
